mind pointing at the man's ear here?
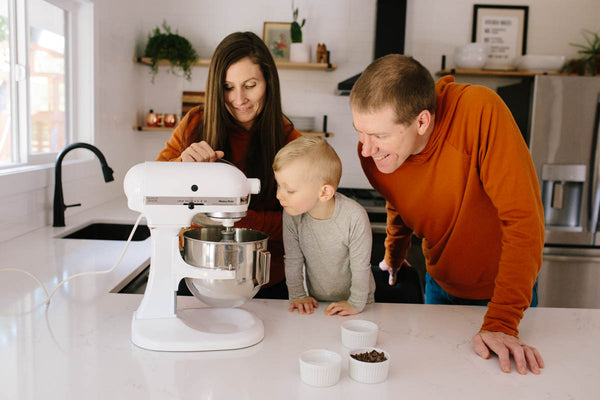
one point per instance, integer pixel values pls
(424, 120)
(327, 191)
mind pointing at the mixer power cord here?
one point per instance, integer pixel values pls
(49, 296)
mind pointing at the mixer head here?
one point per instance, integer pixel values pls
(170, 193)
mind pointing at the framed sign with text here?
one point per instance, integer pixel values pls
(504, 29)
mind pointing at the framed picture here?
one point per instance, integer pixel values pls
(276, 36)
(504, 29)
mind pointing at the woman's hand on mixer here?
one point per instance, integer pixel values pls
(305, 305)
(201, 152)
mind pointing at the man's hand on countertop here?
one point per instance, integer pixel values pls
(504, 345)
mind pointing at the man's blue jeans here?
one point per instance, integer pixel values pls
(434, 294)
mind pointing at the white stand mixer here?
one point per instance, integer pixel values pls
(169, 194)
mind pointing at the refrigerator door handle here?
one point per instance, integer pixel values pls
(568, 258)
(594, 189)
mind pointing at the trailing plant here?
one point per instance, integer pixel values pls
(172, 47)
(296, 28)
(590, 56)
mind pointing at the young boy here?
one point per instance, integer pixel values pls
(325, 231)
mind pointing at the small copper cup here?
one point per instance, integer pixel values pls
(151, 119)
(170, 120)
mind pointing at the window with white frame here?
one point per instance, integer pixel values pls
(45, 78)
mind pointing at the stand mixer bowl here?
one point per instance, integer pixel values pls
(242, 250)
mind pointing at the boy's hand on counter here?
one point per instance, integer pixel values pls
(341, 308)
(305, 305)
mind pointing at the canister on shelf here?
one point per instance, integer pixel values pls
(151, 118)
(170, 120)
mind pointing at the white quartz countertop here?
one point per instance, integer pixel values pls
(80, 346)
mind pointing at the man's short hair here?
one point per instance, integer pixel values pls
(322, 161)
(398, 81)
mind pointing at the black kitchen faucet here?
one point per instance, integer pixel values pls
(59, 202)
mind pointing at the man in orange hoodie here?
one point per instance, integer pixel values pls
(455, 171)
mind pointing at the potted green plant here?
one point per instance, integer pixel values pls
(172, 47)
(299, 51)
(296, 28)
(589, 62)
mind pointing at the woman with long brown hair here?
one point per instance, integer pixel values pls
(242, 122)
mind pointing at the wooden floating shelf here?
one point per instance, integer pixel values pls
(305, 66)
(204, 62)
(201, 62)
(165, 129)
(489, 72)
(152, 128)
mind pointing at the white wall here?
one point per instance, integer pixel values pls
(124, 91)
(436, 27)
(346, 26)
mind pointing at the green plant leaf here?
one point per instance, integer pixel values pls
(590, 53)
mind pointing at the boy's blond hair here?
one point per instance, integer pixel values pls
(321, 159)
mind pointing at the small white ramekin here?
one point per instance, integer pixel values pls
(368, 372)
(320, 367)
(358, 333)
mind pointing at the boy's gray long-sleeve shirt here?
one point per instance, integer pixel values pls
(336, 252)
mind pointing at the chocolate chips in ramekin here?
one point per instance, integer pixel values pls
(371, 356)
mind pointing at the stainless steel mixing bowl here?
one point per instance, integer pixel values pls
(245, 252)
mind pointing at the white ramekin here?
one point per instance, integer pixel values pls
(368, 372)
(357, 333)
(320, 367)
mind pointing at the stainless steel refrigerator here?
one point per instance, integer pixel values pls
(564, 145)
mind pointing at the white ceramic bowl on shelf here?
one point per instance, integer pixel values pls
(368, 372)
(471, 56)
(320, 367)
(539, 62)
(357, 333)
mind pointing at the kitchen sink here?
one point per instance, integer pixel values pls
(109, 231)
(137, 281)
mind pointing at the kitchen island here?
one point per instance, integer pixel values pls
(80, 348)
